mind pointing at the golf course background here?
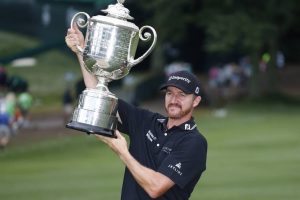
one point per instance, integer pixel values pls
(253, 152)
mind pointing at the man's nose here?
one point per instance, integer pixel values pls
(173, 99)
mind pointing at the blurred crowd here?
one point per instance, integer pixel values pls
(231, 80)
(15, 103)
(223, 83)
(227, 81)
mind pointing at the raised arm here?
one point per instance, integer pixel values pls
(73, 38)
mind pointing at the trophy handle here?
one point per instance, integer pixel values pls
(146, 37)
(80, 23)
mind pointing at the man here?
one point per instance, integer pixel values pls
(166, 155)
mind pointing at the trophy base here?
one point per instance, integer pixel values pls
(95, 113)
(89, 129)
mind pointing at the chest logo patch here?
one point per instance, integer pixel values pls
(166, 149)
(150, 136)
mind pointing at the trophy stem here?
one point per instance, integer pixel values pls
(102, 84)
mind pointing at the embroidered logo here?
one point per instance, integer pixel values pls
(166, 149)
(161, 120)
(150, 136)
(188, 127)
(179, 78)
(178, 165)
(176, 168)
(197, 90)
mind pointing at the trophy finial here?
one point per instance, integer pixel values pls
(118, 11)
(121, 1)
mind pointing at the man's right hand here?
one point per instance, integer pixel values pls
(73, 38)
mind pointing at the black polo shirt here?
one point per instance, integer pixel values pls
(179, 153)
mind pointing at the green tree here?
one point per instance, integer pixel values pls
(170, 19)
(249, 26)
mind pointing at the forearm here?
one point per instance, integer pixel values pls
(154, 183)
(90, 80)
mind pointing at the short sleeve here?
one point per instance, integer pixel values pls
(125, 113)
(132, 119)
(186, 161)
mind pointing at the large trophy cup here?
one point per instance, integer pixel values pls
(110, 45)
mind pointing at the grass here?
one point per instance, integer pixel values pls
(253, 154)
(69, 168)
(47, 78)
(14, 43)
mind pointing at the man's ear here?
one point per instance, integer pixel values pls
(196, 101)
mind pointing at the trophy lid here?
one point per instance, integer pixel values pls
(116, 15)
(118, 11)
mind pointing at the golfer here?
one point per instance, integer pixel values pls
(166, 155)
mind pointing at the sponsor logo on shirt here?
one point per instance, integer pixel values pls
(188, 127)
(150, 136)
(166, 149)
(178, 165)
(161, 120)
(176, 168)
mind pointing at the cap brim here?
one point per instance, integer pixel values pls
(164, 86)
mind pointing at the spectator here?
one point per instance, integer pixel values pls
(280, 60)
(67, 104)
(5, 117)
(24, 103)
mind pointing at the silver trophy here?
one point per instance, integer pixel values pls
(110, 45)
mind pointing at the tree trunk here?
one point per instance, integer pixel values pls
(157, 58)
(255, 89)
(272, 72)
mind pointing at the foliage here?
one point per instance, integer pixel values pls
(250, 28)
(170, 19)
(246, 24)
(244, 27)
(11, 43)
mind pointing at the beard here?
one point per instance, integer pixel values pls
(179, 112)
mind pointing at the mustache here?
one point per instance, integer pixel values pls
(174, 104)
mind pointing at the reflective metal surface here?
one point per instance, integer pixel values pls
(96, 109)
(107, 49)
(110, 46)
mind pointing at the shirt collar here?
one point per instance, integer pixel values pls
(188, 125)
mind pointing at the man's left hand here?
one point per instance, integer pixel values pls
(118, 145)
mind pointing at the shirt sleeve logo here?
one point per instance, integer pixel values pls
(176, 168)
(178, 165)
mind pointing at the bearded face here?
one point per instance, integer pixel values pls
(175, 111)
(178, 104)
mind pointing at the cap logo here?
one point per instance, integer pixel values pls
(179, 78)
(197, 90)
